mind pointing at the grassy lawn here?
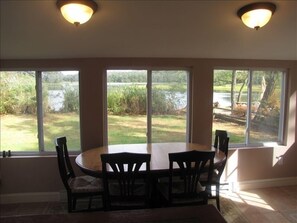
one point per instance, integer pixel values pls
(132, 129)
(19, 132)
(122, 129)
(16, 138)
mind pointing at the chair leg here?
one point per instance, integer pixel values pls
(208, 190)
(74, 203)
(90, 202)
(218, 196)
(69, 203)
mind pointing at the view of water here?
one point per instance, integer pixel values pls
(224, 99)
(56, 99)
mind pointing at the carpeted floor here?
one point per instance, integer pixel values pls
(271, 205)
(228, 209)
(192, 214)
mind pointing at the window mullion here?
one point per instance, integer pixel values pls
(39, 111)
(188, 107)
(282, 106)
(149, 106)
(248, 110)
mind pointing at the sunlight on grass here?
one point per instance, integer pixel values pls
(19, 132)
(132, 129)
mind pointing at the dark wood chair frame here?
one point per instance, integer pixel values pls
(221, 143)
(191, 165)
(66, 173)
(220, 136)
(124, 169)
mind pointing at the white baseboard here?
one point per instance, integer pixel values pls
(254, 184)
(61, 196)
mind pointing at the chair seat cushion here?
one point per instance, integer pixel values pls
(138, 199)
(85, 184)
(138, 190)
(178, 192)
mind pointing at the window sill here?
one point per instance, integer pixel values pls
(37, 154)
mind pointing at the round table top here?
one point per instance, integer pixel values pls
(90, 161)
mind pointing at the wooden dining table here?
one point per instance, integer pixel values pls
(90, 161)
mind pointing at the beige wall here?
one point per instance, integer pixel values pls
(40, 174)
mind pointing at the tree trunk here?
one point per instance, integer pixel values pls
(233, 85)
(270, 81)
(240, 91)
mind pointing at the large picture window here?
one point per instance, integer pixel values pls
(36, 107)
(147, 106)
(249, 104)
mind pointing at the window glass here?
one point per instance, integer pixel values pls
(169, 105)
(60, 93)
(36, 107)
(18, 111)
(126, 106)
(251, 113)
(265, 106)
(147, 106)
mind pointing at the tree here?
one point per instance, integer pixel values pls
(269, 81)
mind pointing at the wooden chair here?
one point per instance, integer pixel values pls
(221, 143)
(184, 186)
(126, 179)
(76, 186)
(220, 136)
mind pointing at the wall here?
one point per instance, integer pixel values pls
(40, 174)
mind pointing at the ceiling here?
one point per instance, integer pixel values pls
(34, 29)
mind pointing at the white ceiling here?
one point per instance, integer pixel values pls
(33, 29)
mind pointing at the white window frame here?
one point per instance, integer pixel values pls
(149, 100)
(39, 115)
(249, 103)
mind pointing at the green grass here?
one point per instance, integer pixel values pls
(18, 132)
(132, 129)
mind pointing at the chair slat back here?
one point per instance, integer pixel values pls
(190, 166)
(65, 167)
(126, 169)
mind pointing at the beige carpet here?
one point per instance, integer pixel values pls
(51, 212)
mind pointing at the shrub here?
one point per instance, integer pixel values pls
(18, 93)
(71, 99)
(132, 100)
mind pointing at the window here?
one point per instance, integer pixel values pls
(36, 107)
(249, 104)
(147, 106)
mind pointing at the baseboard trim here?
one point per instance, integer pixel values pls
(31, 197)
(61, 196)
(254, 184)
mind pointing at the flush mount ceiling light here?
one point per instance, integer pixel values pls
(77, 11)
(256, 15)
